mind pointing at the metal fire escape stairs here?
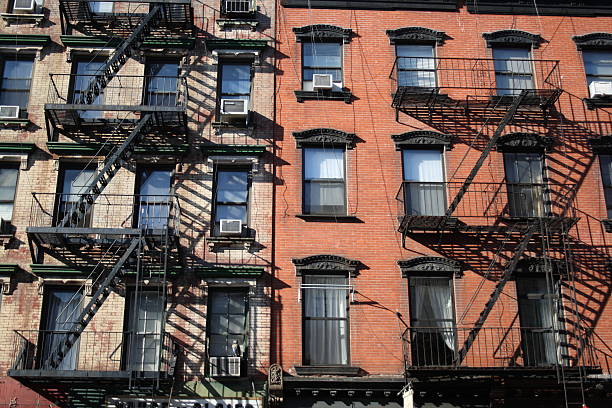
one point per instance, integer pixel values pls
(114, 162)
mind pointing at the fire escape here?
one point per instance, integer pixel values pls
(482, 102)
(114, 240)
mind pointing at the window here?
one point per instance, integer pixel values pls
(235, 84)
(525, 183)
(15, 83)
(61, 310)
(84, 71)
(605, 162)
(8, 184)
(537, 312)
(227, 322)
(432, 321)
(154, 197)
(324, 184)
(326, 324)
(161, 83)
(416, 65)
(99, 7)
(321, 58)
(237, 6)
(144, 317)
(513, 70)
(231, 196)
(73, 181)
(424, 192)
(598, 66)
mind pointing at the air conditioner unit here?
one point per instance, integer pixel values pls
(24, 6)
(600, 88)
(322, 81)
(234, 107)
(228, 226)
(9, 112)
(224, 366)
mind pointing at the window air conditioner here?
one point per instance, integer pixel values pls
(9, 112)
(24, 6)
(322, 81)
(234, 107)
(224, 366)
(600, 88)
(228, 226)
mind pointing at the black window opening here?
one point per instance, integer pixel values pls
(527, 190)
(61, 309)
(84, 71)
(324, 181)
(234, 93)
(432, 321)
(231, 210)
(227, 322)
(15, 84)
(424, 187)
(153, 199)
(605, 161)
(320, 60)
(416, 65)
(9, 174)
(161, 83)
(144, 313)
(598, 69)
(539, 315)
(73, 182)
(513, 70)
(325, 320)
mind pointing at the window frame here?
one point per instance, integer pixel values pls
(74, 78)
(405, 181)
(16, 166)
(146, 94)
(23, 112)
(61, 193)
(347, 319)
(434, 55)
(545, 204)
(513, 74)
(343, 148)
(220, 94)
(607, 78)
(605, 187)
(244, 352)
(138, 202)
(335, 86)
(219, 167)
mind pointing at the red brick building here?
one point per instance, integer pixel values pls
(441, 204)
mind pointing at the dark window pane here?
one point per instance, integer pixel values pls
(15, 83)
(236, 79)
(322, 55)
(227, 321)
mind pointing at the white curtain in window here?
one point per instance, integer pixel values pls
(325, 331)
(424, 192)
(433, 308)
(8, 182)
(323, 163)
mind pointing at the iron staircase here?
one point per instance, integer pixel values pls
(102, 292)
(111, 165)
(119, 57)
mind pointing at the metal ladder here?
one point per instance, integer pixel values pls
(499, 287)
(102, 292)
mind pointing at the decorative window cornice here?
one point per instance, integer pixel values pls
(593, 41)
(416, 35)
(324, 136)
(430, 266)
(322, 32)
(421, 138)
(538, 266)
(520, 141)
(513, 38)
(602, 145)
(326, 264)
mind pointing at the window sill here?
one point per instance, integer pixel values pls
(15, 123)
(348, 371)
(220, 243)
(607, 224)
(594, 103)
(343, 95)
(329, 218)
(225, 23)
(13, 18)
